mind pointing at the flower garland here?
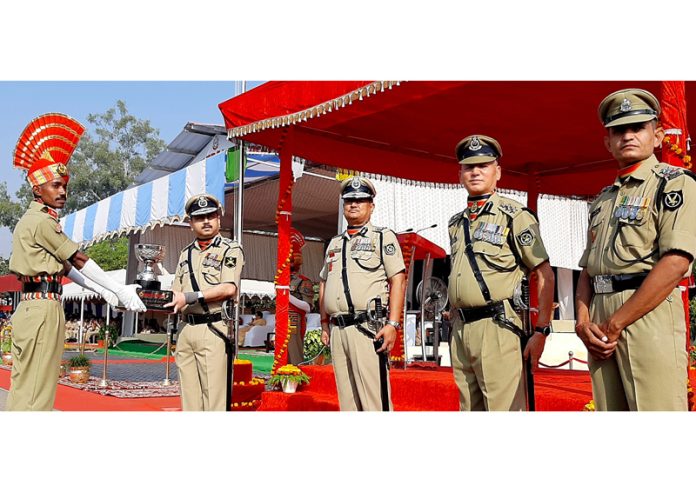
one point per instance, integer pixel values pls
(589, 406)
(674, 147)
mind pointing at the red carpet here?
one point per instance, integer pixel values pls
(419, 389)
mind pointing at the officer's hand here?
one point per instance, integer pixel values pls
(534, 349)
(597, 343)
(611, 330)
(388, 332)
(326, 335)
(128, 295)
(178, 301)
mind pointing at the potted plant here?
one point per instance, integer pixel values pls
(315, 352)
(79, 369)
(289, 377)
(6, 345)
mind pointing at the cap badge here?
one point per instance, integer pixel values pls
(62, 170)
(355, 184)
(475, 144)
(202, 202)
(626, 105)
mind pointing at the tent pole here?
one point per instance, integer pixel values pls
(82, 326)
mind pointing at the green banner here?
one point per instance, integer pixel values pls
(232, 165)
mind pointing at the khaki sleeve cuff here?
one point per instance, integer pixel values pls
(66, 250)
(678, 240)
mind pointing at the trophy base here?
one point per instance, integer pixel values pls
(154, 300)
(149, 284)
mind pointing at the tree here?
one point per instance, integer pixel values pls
(103, 164)
(4, 266)
(110, 254)
(9, 210)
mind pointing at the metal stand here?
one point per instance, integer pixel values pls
(104, 383)
(426, 264)
(167, 381)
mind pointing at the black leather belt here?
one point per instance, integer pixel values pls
(344, 320)
(199, 319)
(42, 287)
(469, 315)
(606, 284)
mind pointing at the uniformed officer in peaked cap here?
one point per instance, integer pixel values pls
(41, 255)
(641, 242)
(495, 242)
(361, 264)
(208, 272)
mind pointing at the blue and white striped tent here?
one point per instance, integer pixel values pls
(160, 201)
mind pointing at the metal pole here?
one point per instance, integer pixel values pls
(238, 223)
(570, 360)
(167, 381)
(422, 326)
(104, 383)
(81, 337)
(410, 279)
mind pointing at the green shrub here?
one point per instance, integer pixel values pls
(313, 345)
(79, 361)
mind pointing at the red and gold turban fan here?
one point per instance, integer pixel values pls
(45, 147)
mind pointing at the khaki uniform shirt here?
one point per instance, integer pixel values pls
(631, 227)
(302, 288)
(39, 245)
(502, 223)
(221, 262)
(367, 266)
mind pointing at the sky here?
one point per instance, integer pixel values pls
(168, 105)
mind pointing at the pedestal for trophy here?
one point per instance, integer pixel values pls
(151, 293)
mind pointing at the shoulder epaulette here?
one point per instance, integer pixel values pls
(509, 209)
(379, 229)
(670, 172)
(455, 218)
(607, 188)
(534, 214)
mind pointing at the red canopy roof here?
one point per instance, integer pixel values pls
(549, 129)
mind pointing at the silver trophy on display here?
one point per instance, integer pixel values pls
(151, 293)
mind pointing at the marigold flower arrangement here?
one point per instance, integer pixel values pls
(288, 372)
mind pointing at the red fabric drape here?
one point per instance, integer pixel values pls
(673, 118)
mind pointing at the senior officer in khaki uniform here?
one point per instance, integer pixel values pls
(495, 242)
(41, 255)
(361, 264)
(641, 243)
(215, 263)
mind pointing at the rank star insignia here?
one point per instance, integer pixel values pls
(230, 262)
(475, 144)
(626, 106)
(673, 200)
(390, 249)
(526, 237)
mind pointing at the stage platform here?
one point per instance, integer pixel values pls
(430, 390)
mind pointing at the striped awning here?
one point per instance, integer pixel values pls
(160, 201)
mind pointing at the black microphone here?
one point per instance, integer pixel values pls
(425, 228)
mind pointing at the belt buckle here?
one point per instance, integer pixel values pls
(338, 321)
(461, 315)
(603, 284)
(191, 319)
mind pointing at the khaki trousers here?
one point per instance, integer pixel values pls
(648, 371)
(202, 366)
(487, 365)
(38, 333)
(356, 367)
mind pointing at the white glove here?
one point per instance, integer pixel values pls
(75, 275)
(127, 294)
(299, 304)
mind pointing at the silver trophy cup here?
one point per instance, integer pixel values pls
(151, 294)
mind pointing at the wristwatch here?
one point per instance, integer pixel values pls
(395, 324)
(544, 330)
